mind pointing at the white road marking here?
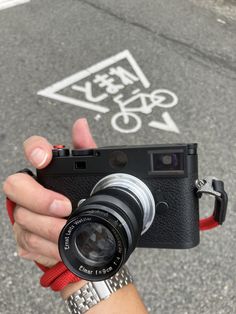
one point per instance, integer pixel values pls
(221, 21)
(97, 117)
(127, 119)
(168, 125)
(135, 91)
(75, 102)
(5, 4)
(52, 91)
(119, 117)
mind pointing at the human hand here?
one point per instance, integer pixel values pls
(39, 218)
(39, 212)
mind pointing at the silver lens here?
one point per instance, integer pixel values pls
(137, 187)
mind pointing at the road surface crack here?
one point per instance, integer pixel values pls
(207, 56)
(118, 17)
(180, 47)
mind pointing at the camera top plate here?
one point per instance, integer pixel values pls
(168, 160)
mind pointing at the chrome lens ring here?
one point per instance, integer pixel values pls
(137, 187)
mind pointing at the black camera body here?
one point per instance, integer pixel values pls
(168, 171)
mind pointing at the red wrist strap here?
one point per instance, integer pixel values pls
(56, 277)
(208, 223)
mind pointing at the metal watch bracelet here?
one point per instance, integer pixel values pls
(93, 292)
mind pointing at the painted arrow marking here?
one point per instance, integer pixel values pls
(167, 125)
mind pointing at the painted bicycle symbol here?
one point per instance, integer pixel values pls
(127, 120)
(110, 82)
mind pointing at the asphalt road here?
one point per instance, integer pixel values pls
(183, 48)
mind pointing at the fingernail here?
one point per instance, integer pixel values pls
(38, 157)
(60, 208)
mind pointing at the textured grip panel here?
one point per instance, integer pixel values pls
(178, 225)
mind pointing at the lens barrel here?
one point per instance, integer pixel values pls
(103, 231)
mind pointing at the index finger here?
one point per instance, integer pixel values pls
(27, 192)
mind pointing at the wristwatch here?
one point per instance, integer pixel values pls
(94, 292)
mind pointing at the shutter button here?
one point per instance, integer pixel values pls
(60, 151)
(58, 146)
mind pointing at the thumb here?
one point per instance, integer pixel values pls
(38, 151)
(81, 135)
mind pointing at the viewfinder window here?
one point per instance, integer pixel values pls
(168, 162)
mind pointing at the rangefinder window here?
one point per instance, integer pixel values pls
(167, 162)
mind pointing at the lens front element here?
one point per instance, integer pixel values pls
(92, 245)
(95, 243)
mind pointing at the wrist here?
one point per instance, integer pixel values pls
(82, 297)
(71, 288)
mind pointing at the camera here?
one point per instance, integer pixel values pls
(123, 197)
